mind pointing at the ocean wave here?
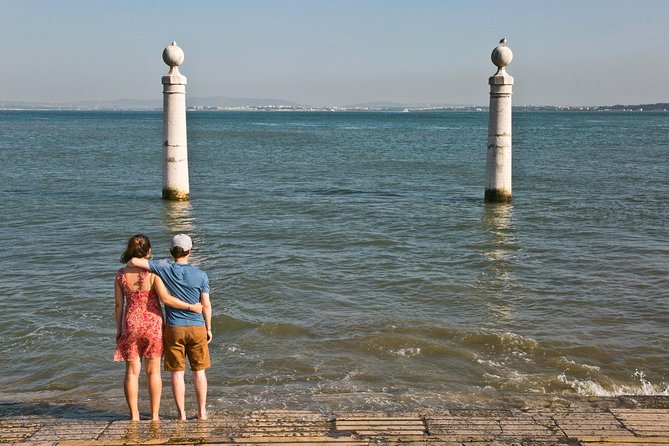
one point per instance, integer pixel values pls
(502, 340)
(395, 345)
(407, 352)
(228, 323)
(592, 388)
(284, 329)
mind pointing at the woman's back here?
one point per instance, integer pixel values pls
(138, 288)
(135, 279)
(141, 334)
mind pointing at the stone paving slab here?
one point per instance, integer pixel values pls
(645, 422)
(599, 422)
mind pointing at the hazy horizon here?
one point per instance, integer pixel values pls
(237, 103)
(318, 53)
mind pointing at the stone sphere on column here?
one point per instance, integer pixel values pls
(173, 55)
(501, 56)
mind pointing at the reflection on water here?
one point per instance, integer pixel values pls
(141, 431)
(132, 432)
(177, 217)
(498, 224)
(154, 431)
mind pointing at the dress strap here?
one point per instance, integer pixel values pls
(120, 276)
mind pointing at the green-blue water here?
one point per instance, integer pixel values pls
(353, 262)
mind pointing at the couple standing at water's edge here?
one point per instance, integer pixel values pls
(142, 333)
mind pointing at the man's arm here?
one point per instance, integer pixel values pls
(167, 299)
(206, 310)
(139, 263)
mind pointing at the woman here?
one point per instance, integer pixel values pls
(139, 324)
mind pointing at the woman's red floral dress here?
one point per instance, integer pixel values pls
(142, 329)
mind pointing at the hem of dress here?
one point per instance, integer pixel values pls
(138, 357)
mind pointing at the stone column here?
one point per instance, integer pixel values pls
(175, 145)
(498, 164)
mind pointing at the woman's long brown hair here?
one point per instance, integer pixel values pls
(138, 246)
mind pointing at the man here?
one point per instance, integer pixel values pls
(187, 334)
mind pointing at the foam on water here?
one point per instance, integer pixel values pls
(592, 388)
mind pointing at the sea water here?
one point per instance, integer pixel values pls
(353, 262)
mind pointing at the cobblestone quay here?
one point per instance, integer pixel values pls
(592, 421)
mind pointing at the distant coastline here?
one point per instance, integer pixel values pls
(246, 104)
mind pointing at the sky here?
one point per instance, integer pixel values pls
(338, 52)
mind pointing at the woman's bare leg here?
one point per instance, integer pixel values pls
(152, 366)
(130, 385)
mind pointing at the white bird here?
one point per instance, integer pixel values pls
(503, 41)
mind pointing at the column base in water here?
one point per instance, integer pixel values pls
(173, 194)
(497, 195)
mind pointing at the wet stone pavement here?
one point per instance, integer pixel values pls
(594, 421)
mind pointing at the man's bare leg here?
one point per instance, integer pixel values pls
(200, 379)
(179, 392)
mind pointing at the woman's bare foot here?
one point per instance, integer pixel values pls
(202, 416)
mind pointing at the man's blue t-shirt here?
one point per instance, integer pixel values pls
(185, 282)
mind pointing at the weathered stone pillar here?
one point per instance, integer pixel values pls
(175, 145)
(498, 163)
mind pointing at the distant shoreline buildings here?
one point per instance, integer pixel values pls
(9, 106)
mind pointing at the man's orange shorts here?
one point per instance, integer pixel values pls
(188, 341)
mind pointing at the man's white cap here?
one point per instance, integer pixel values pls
(182, 241)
